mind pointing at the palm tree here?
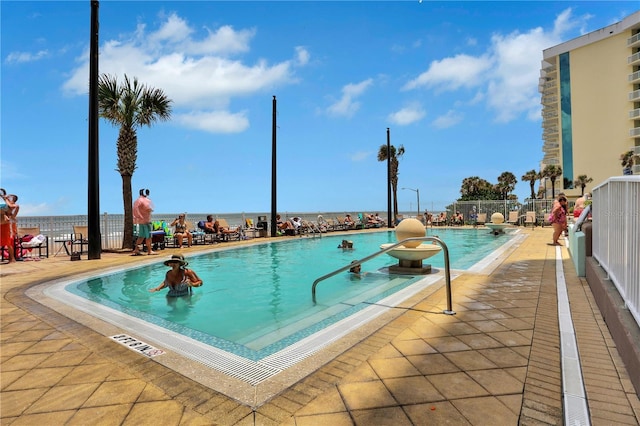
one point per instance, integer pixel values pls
(475, 188)
(531, 176)
(393, 155)
(470, 188)
(552, 172)
(130, 105)
(506, 184)
(582, 181)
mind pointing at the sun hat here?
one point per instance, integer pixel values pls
(176, 258)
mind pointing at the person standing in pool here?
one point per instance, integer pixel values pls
(178, 279)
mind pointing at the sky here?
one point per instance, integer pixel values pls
(456, 84)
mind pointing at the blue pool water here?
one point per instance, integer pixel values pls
(257, 299)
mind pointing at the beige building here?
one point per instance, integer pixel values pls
(590, 89)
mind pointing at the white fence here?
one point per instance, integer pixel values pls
(616, 236)
(59, 228)
(541, 207)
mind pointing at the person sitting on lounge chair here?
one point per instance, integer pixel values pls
(211, 226)
(349, 222)
(182, 230)
(458, 219)
(371, 220)
(283, 225)
(296, 222)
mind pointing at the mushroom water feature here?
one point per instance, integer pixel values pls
(411, 254)
(497, 224)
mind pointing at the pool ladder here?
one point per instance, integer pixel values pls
(447, 269)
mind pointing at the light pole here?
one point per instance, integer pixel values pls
(417, 191)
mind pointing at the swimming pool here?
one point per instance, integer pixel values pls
(256, 301)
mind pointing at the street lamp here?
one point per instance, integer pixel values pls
(417, 191)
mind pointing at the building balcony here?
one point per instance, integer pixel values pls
(634, 114)
(634, 59)
(547, 100)
(634, 96)
(633, 41)
(635, 77)
(549, 159)
(635, 132)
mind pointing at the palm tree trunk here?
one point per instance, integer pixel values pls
(127, 200)
(533, 193)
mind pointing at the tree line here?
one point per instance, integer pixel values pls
(476, 188)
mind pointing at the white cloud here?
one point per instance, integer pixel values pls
(37, 209)
(450, 119)
(347, 106)
(360, 156)
(197, 71)
(215, 121)
(505, 77)
(452, 73)
(407, 115)
(302, 55)
(21, 57)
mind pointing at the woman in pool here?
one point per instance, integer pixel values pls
(179, 279)
(356, 270)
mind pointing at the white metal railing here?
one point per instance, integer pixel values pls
(634, 95)
(633, 58)
(636, 130)
(616, 226)
(633, 40)
(634, 76)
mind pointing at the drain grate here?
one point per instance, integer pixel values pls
(576, 411)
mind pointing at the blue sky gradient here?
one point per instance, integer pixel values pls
(456, 82)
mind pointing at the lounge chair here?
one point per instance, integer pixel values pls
(440, 220)
(37, 241)
(342, 225)
(513, 218)
(309, 227)
(80, 237)
(250, 228)
(323, 224)
(530, 219)
(227, 233)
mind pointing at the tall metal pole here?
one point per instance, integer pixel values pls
(93, 190)
(418, 194)
(274, 207)
(390, 219)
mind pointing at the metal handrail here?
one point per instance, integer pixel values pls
(447, 270)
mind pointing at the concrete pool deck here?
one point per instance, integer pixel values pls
(497, 361)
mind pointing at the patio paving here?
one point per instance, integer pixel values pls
(496, 362)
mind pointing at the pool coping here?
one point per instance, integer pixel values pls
(252, 394)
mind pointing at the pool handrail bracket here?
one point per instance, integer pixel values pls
(447, 269)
